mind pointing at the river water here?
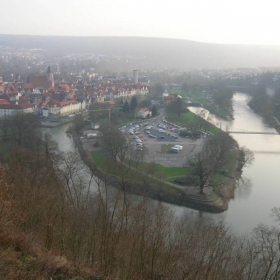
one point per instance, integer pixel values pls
(259, 190)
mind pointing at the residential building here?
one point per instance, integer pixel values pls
(7, 110)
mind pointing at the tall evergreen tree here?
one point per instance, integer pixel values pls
(126, 107)
(154, 111)
(133, 104)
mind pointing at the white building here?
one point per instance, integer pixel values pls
(142, 113)
(68, 107)
(7, 110)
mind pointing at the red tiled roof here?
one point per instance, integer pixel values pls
(26, 106)
(27, 86)
(39, 81)
(67, 102)
(51, 103)
(141, 109)
(4, 96)
(9, 106)
(65, 87)
(14, 106)
(4, 101)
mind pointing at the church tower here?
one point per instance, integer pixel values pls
(49, 75)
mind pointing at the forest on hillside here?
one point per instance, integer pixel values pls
(154, 53)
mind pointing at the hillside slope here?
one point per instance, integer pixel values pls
(156, 52)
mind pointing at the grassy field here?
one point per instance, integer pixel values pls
(155, 173)
(217, 178)
(192, 117)
(103, 160)
(165, 148)
(202, 98)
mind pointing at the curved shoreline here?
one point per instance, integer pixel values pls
(206, 202)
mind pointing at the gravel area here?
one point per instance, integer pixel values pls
(155, 146)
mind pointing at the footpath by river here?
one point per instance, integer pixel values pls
(256, 194)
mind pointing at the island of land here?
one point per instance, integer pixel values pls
(160, 174)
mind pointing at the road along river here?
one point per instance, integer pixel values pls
(257, 193)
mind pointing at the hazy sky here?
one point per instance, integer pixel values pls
(213, 21)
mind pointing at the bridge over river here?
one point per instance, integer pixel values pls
(252, 132)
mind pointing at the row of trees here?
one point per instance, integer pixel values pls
(222, 96)
(23, 131)
(266, 105)
(127, 108)
(193, 124)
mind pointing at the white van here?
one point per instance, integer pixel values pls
(179, 147)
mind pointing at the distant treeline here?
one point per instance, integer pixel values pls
(154, 52)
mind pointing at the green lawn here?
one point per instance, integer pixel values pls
(160, 171)
(171, 171)
(103, 160)
(100, 158)
(199, 97)
(157, 171)
(165, 148)
(190, 117)
(217, 178)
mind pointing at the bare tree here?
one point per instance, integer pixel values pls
(245, 157)
(124, 149)
(114, 142)
(221, 146)
(266, 250)
(151, 168)
(49, 146)
(214, 155)
(201, 167)
(22, 130)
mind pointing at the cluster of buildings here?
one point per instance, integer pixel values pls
(52, 99)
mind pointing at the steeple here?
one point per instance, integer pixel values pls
(49, 75)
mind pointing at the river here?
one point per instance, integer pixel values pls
(260, 190)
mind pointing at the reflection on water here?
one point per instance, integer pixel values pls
(243, 188)
(59, 134)
(259, 190)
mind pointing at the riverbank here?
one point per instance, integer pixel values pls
(189, 197)
(50, 124)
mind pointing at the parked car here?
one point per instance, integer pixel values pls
(178, 147)
(152, 136)
(174, 150)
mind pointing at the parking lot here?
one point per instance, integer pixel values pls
(163, 138)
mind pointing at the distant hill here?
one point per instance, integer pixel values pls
(156, 52)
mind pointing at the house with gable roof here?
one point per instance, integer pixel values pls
(142, 113)
(8, 109)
